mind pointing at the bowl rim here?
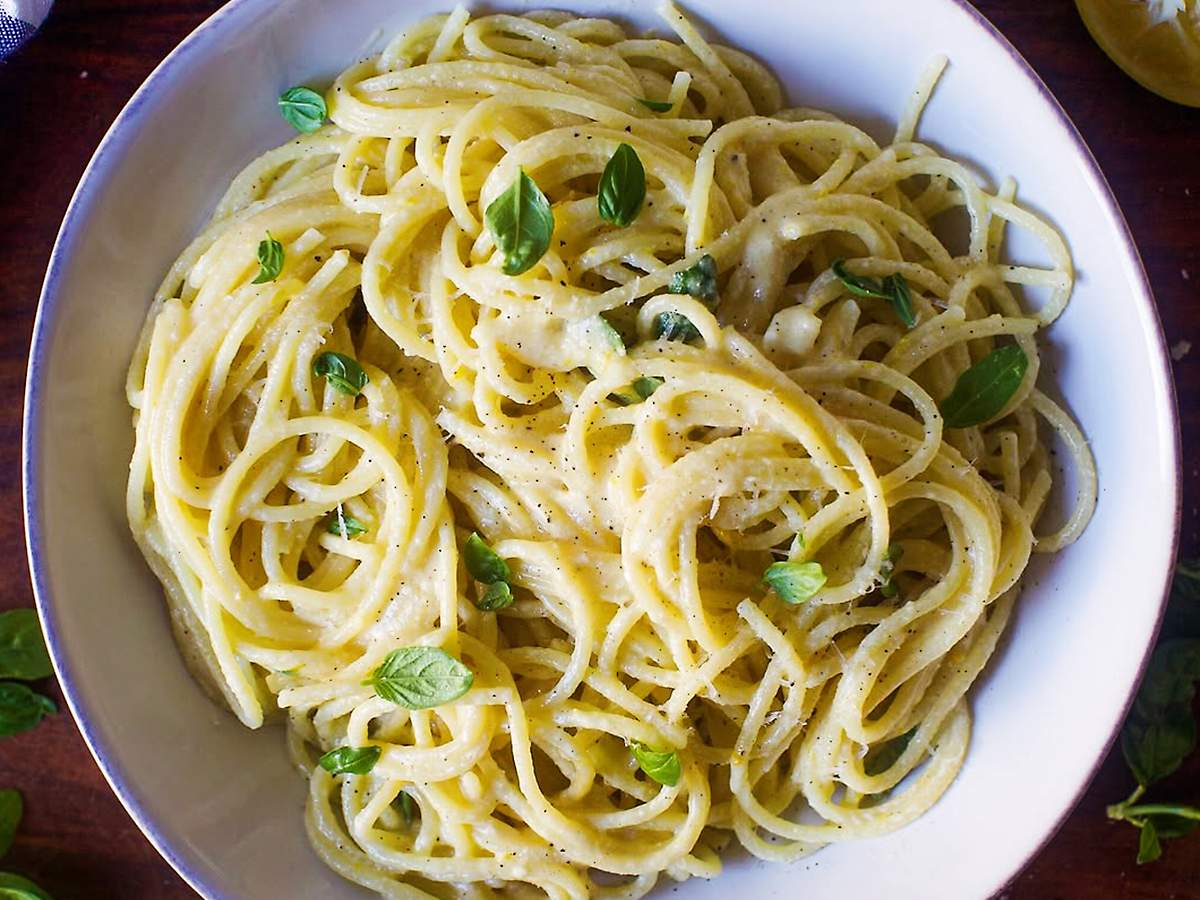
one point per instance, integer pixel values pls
(123, 131)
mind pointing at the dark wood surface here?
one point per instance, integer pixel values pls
(61, 92)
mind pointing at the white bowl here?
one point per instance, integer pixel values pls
(222, 804)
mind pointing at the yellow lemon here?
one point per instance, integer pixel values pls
(1157, 42)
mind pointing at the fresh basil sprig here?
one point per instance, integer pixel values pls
(14, 887)
(656, 105)
(489, 568)
(661, 765)
(21, 708)
(893, 288)
(22, 651)
(421, 678)
(303, 108)
(342, 525)
(521, 223)
(793, 581)
(883, 756)
(342, 372)
(622, 187)
(270, 260)
(351, 760)
(982, 392)
(11, 810)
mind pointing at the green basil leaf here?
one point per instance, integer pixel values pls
(889, 588)
(1160, 731)
(270, 260)
(14, 887)
(622, 187)
(793, 581)
(1149, 848)
(421, 678)
(337, 522)
(11, 808)
(303, 108)
(1183, 610)
(640, 389)
(896, 287)
(521, 223)
(983, 391)
(22, 651)
(497, 595)
(1172, 826)
(342, 372)
(21, 709)
(699, 281)
(859, 285)
(673, 326)
(408, 809)
(656, 105)
(883, 756)
(661, 765)
(484, 563)
(351, 760)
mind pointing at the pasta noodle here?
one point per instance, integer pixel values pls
(637, 454)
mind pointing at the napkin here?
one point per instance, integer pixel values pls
(19, 19)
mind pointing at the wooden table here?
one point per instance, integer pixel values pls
(59, 95)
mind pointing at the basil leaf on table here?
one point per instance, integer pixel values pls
(351, 760)
(656, 105)
(11, 809)
(270, 260)
(982, 391)
(794, 582)
(622, 187)
(1149, 848)
(342, 372)
(14, 887)
(661, 765)
(521, 223)
(303, 108)
(22, 650)
(21, 709)
(699, 281)
(421, 677)
(883, 756)
(1160, 731)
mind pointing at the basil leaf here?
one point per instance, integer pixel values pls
(22, 651)
(661, 765)
(1149, 848)
(342, 372)
(14, 887)
(21, 709)
(1160, 731)
(1183, 611)
(521, 223)
(639, 390)
(1169, 825)
(793, 581)
(983, 391)
(883, 756)
(270, 260)
(351, 760)
(497, 595)
(889, 588)
(421, 678)
(859, 285)
(622, 187)
(484, 563)
(11, 809)
(343, 525)
(656, 105)
(303, 108)
(699, 281)
(407, 807)
(896, 287)
(673, 326)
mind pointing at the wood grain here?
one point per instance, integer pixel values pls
(60, 93)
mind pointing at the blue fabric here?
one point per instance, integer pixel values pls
(13, 33)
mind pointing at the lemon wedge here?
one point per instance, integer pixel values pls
(1156, 42)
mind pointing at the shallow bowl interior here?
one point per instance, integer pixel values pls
(223, 804)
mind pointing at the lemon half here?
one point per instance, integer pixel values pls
(1157, 42)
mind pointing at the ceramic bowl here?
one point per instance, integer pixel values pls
(222, 803)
